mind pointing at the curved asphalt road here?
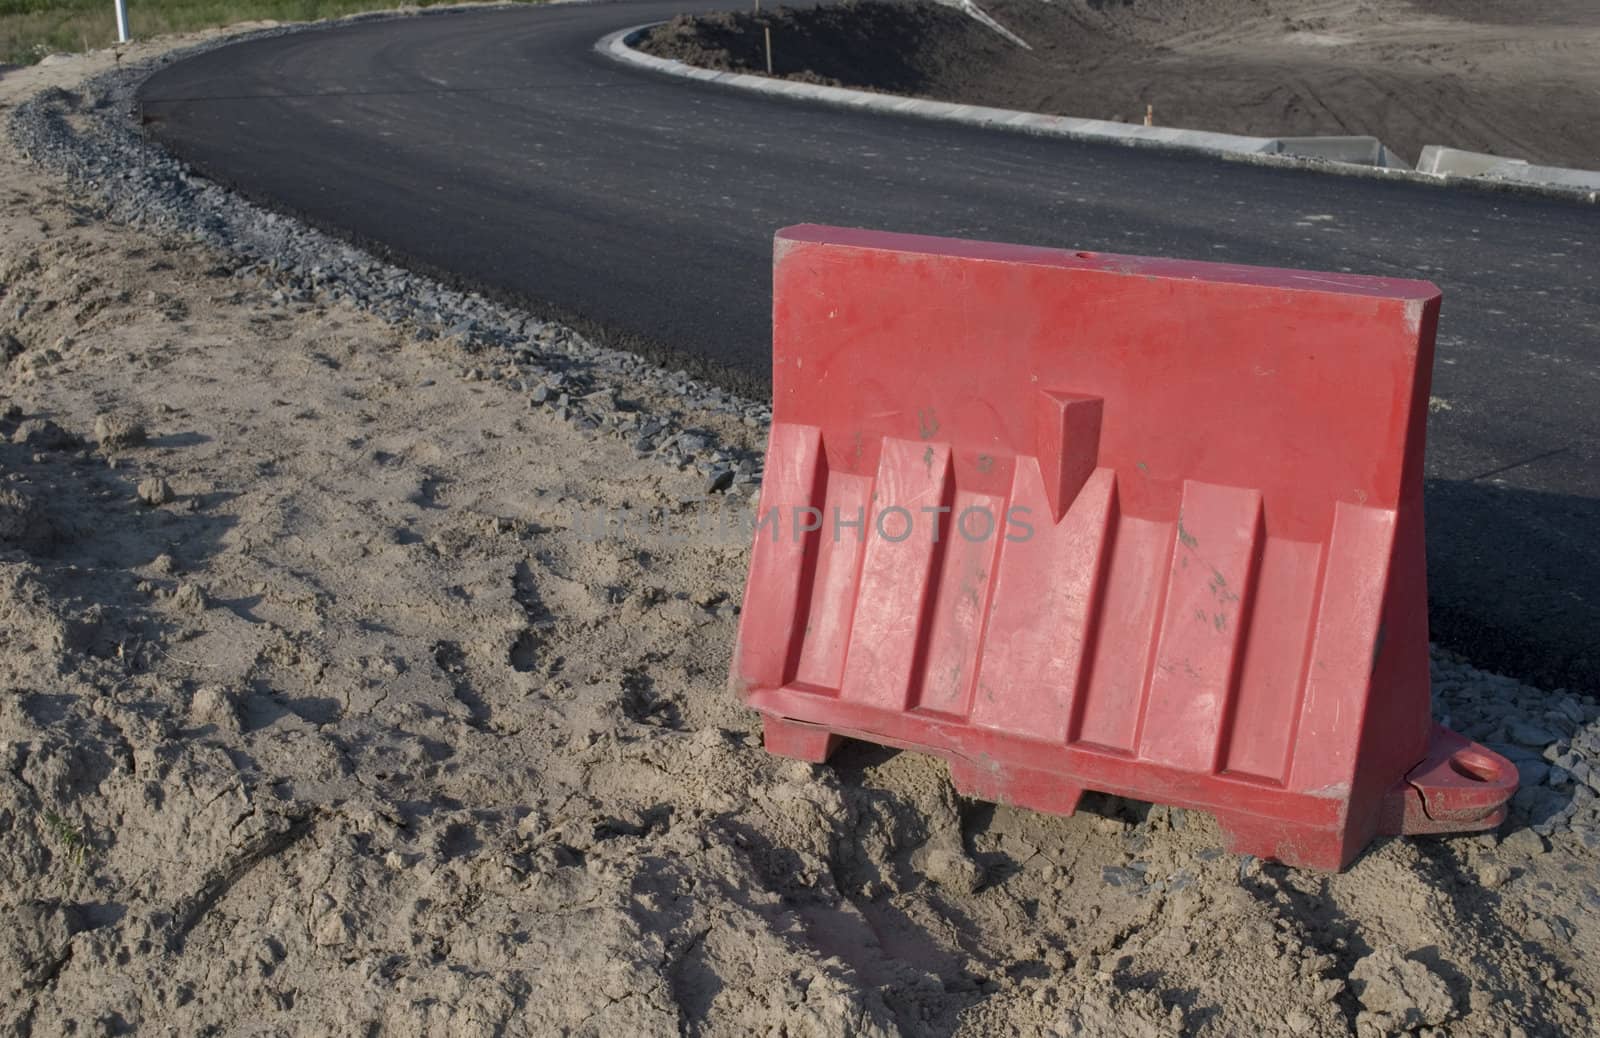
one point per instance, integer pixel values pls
(495, 148)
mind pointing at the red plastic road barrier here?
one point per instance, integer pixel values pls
(1080, 521)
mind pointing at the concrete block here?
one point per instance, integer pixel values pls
(1454, 162)
(1362, 151)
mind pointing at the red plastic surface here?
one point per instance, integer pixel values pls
(1203, 582)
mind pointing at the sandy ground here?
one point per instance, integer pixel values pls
(319, 716)
(1501, 76)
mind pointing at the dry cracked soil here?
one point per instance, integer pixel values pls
(320, 713)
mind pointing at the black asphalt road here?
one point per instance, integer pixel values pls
(496, 149)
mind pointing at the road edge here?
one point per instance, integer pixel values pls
(1256, 151)
(90, 138)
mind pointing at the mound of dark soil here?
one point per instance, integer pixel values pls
(895, 47)
(1465, 73)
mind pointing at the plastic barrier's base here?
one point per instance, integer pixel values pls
(1459, 787)
(1020, 787)
(798, 741)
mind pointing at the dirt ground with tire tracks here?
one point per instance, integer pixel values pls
(320, 714)
(1501, 76)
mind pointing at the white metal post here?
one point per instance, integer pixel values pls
(122, 20)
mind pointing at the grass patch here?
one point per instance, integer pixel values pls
(72, 838)
(30, 29)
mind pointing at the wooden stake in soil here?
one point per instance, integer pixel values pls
(766, 30)
(1149, 115)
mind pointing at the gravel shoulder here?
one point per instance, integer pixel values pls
(1484, 75)
(323, 706)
